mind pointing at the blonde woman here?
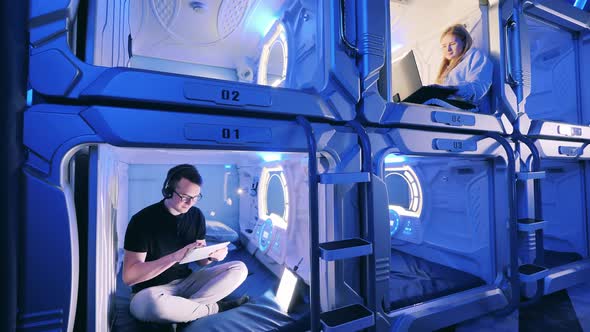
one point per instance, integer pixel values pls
(464, 67)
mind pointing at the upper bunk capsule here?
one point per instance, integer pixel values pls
(548, 44)
(262, 56)
(388, 82)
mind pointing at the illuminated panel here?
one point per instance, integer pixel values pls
(414, 208)
(394, 222)
(268, 174)
(265, 235)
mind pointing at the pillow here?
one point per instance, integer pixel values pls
(219, 232)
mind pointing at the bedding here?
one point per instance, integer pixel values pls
(262, 313)
(219, 232)
(413, 280)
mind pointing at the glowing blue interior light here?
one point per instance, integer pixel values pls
(393, 158)
(393, 222)
(262, 19)
(580, 4)
(408, 229)
(29, 97)
(270, 156)
(227, 166)
(265, 235)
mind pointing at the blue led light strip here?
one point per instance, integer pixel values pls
(29, 97)
(580, 4)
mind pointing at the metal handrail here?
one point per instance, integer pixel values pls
(365, 145)
(513, 223)
(538, 214)
(368, 212)
(314, 286)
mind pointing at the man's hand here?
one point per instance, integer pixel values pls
(136, 269)
(218, 255)
(179, 254)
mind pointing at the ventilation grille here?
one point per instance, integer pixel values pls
(230, 16)
(165, 10)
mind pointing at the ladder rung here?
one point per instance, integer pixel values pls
(340, 178)
(532, 272)
(349, 318)
(531, 225)
(343, 249)
(530, 175)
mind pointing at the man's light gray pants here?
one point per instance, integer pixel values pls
(184, 300)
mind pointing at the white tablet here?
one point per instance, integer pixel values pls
(202, 252)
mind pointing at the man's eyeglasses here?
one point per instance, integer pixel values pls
(187, 198)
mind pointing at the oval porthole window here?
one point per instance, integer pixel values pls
(404, 191)
(276, 196)
(272, 68)
(273, 196)
(398, 190)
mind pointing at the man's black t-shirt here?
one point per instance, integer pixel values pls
(156, 231)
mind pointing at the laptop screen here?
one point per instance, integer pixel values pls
(405, 78)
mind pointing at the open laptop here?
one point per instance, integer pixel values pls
(407, 85)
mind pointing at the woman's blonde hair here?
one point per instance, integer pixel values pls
(459, 31)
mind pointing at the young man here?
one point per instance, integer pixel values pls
(157, 238)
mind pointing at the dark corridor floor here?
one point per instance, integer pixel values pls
(567, 310)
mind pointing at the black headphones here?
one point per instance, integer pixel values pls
(167, 191)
